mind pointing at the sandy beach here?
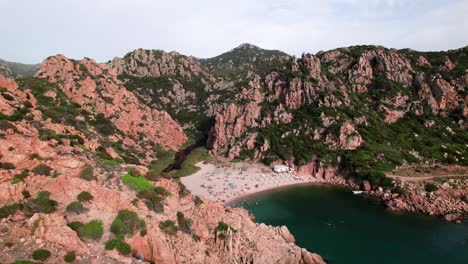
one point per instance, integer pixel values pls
(226, 182)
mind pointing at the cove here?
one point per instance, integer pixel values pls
(346, 228)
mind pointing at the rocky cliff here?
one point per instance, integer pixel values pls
(351, 100)
(70, 183)
(326, 106)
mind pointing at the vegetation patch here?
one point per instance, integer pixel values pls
(154, 198)
(431, 187)
(75, 207)
(41, 254)
(7, 166)
(42, 169)
(120, 245)
(41, 204)
(92, 230)
(69, 257)
(198, 201)
(168, 227)
(88, 173)
(185, 224)
(127, 223)
(188, 165)
(10, 209)
(224, 230)
(139, 183)
(84, 196)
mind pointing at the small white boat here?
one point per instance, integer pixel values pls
(357, 192)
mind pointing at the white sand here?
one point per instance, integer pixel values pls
(226, 182)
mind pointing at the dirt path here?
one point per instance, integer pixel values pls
(422, 178)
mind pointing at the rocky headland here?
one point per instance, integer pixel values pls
(86, 147)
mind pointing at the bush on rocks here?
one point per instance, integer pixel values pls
(42, 169)
(127, 223)
(122, 247)
(69, 257)
(84, 196)
(41, 204)
(75, 207)
(168, 227)
(92, 230)
(41, 254)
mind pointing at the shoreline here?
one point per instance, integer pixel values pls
(318, 183)
(230, 182)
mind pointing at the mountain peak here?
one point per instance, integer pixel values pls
(247, 46)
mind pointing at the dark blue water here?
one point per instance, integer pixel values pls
(345, 228)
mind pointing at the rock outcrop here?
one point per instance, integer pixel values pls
(47, 164)
(96, 88)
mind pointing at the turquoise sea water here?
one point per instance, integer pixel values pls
(345, 228)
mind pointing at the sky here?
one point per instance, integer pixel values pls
(103, 29)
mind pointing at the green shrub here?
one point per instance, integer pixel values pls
(153, 175)
(225, 227)
(35, 156)
(198, 201)
(168, 227)
(5, 124)
(222, 230)
(69, 257)
(42, 169)
(431, 187)
(127, 223)
(161, 191)
(122, 247)
(154, 198)
(139, 183)
(75, 207)
(88, 173)
(26, 194)
(41, 254)
(21, 176)
(185, 224)
(133, 172)
(92, 230)
(376, 178)
(7, 166)
(183, 191)
(11, 209)
(103, 125)
(41, 204)
(84, 196)
(399, 190)
(102, 153)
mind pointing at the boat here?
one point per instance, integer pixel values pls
(357, 192)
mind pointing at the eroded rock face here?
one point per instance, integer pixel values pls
(53, 228)
(272, 244)
(392, 83)
(50, 163)
(96, 87)
(5, 70)
(349, 137)
(155, 63)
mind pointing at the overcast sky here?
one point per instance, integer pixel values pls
(102, 29)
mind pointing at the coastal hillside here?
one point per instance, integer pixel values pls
(91, 154)
(16, 69)
(75, 147)
(367, 113)
(354, 109)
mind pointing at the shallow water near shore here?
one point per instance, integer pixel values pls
(346, 228)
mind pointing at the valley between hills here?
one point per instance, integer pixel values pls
(105, 162)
